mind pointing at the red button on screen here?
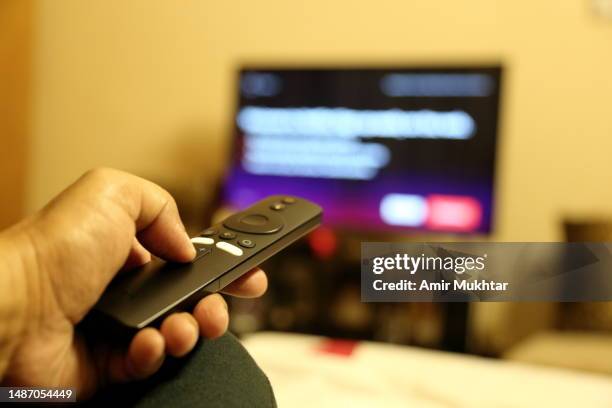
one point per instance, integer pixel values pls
(453, 213)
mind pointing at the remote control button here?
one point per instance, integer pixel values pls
(246, 243)
(277, 206)
(208, 232)
(289, 200)
(227, 235)
(229, 248)
(201, 251)
(202, 240)
(266, 222)
(255, 220)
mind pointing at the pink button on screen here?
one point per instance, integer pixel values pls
(453, 213)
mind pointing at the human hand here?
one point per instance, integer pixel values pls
(68, 253)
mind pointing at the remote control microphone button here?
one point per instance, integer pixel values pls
(246, 243)
(277, 206)
(202, 240)
(288, 200)
(227, 235)
(229, 248)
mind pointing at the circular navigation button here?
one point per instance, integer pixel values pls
(288, 200)
(227, 235)
(246, 243)
(257, 220)
(277, 206)
(208, 232)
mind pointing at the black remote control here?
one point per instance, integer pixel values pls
(225, 252)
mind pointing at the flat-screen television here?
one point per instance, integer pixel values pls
(385, 149)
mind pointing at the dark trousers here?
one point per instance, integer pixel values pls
(218, 373)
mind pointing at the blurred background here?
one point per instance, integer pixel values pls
(155, 87)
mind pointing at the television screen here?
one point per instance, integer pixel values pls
(379, 149)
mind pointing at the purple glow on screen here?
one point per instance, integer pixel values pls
(356, 205)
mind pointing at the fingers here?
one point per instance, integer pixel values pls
(212, 316)
(177, 336)
(86, 234)
(181, 332)
(146, 353)
(143, 358)
(252, 284)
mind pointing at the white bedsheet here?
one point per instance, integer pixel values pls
(377, 374)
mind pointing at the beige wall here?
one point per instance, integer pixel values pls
(147, 86)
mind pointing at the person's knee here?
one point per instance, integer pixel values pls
(218, 373)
